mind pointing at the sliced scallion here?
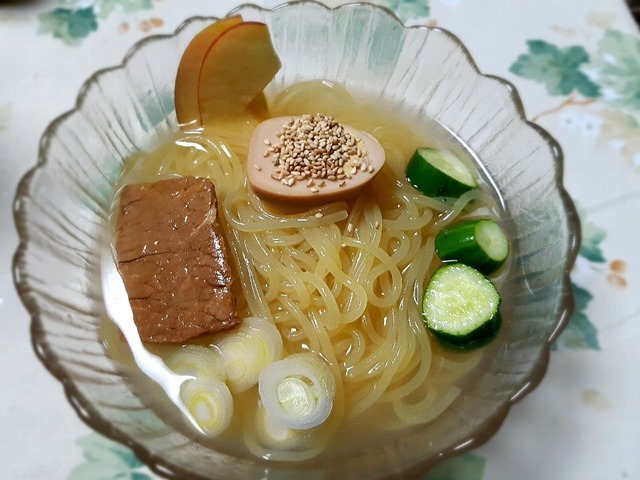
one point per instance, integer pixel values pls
(298, 391)
(247, 350)
(209, 401)
(197, 361)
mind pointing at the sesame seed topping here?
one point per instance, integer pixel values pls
(318, 215)
(317, 147)
(257, 167)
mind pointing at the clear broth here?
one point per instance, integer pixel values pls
(402, 134)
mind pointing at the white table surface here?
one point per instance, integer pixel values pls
(583, 422)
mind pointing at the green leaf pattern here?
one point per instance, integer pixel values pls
(592, 237)
(580, 333)
(107, 460)
(407, 9)
(68, 25)
(74, 24)
(558, 69)
(617, 67)
(468, 466)
(104, 8)
(611, 75)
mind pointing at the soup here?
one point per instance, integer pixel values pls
(343, 281)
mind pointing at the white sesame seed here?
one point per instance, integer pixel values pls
(316, 146)
(318, 215)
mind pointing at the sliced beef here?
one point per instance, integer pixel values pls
(173, 259)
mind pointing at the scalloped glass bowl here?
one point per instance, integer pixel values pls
(62, 206)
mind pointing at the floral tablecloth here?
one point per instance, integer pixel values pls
(576, 64)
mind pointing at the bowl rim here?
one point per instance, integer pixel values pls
(89, 414)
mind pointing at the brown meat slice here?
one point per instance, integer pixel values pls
(173, 260)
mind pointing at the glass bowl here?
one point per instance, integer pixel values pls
(62, 206)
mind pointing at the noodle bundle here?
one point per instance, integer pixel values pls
(343, 280)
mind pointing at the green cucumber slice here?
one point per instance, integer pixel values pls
(439, 173)
(479, 243)
(461, 306)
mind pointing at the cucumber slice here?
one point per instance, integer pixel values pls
(439, 173)
(479, 243)
(461, 306)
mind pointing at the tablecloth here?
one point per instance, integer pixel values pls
(576, 64)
